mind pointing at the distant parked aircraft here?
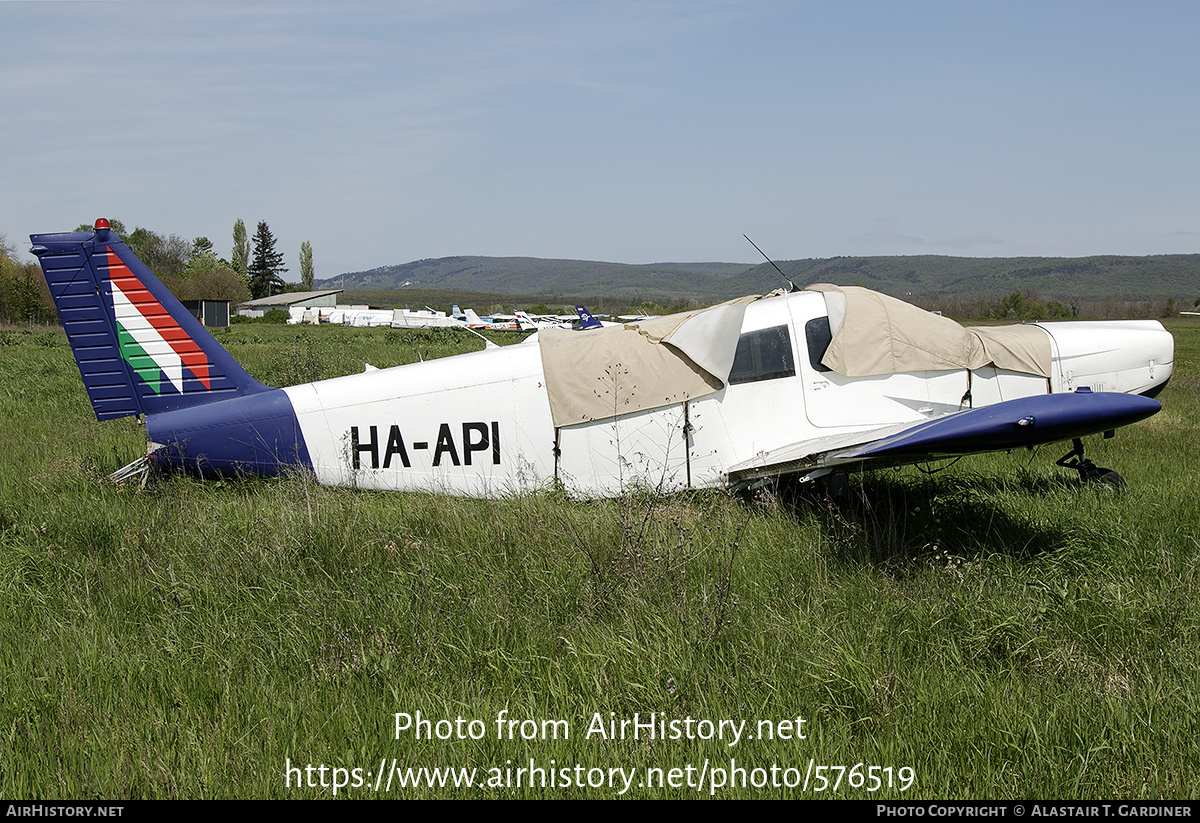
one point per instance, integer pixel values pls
(425, 318)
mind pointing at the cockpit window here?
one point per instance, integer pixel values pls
(818, 337)
(765, 354)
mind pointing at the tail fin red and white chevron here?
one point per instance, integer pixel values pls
(138, 349)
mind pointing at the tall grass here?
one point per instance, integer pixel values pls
(1000, 629)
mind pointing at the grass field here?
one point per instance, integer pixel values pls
(994, 630)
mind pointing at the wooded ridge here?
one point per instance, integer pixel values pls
(1105, 277)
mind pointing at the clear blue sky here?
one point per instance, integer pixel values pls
(645, 131)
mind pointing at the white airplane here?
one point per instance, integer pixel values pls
(527, 323)
(426, 318)
(495, 323)
(806, 383)
(582, 320)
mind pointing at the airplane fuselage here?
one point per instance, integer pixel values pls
(480, 424)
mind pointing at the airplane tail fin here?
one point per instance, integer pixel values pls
(473, 318)
(524, 322)
(139, 350)
(586, 321)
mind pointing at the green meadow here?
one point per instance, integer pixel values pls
(992, 629)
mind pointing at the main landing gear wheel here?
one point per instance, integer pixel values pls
(1089, 472)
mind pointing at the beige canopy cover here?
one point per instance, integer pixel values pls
(616, 370)
(876, 334)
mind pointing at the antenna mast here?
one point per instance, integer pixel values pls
(772, 262)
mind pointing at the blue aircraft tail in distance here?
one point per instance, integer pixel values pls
(586, 321)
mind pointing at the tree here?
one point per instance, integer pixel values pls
(306, 266)
(240, 256)
(165, 255)
(24, 296)
(208, 277)
(267, 266)
(201, 245)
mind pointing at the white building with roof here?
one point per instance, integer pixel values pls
(289, 300)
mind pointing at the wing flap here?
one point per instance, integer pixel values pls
(808, 454)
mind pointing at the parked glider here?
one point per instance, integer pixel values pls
(825, 380)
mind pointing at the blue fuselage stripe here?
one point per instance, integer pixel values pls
(257, 433)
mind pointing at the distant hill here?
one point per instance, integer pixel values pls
(555, 278)
(1063, 278)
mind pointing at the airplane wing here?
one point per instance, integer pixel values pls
(1028, 421)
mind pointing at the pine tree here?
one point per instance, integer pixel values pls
(267, 266)
(306, 266)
